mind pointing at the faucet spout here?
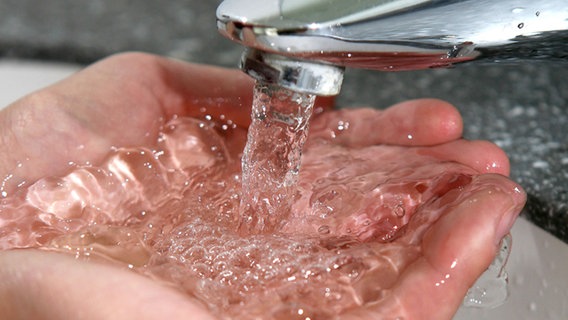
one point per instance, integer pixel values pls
(322, 79)
(394, 35)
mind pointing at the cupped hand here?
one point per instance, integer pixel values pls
(80, 118)
(77, 121)
(456, 202)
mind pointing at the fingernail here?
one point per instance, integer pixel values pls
(508, 218)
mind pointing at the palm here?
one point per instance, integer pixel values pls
(452, 197)
(432, 263)
(144, 92)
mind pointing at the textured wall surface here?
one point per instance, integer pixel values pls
(523, 108)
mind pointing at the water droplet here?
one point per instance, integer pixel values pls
(324, 229)
(291, 269)
(315, 272)
(520, 25)
(342, 125)
(332, 295)
(454, 264)
(537, 13)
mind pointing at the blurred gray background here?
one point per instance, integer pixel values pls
(523, 108)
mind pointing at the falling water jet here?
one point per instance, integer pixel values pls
(272, 156)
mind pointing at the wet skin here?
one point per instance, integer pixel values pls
(76, 120)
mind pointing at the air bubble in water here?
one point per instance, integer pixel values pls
(324, 229)
(399, 211)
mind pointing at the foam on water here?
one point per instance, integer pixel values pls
(172, 213)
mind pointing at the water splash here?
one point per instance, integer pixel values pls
(491, 290)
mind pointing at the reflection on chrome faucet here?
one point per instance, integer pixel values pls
(389, 35)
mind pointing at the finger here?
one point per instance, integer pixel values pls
(483, 156)
(457, 249)
(41, 285)
(412, 123)
(119, 102)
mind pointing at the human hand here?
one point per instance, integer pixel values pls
(88, 106)
(77, 121)
(457, 222)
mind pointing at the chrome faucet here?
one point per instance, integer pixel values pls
(305, 44)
